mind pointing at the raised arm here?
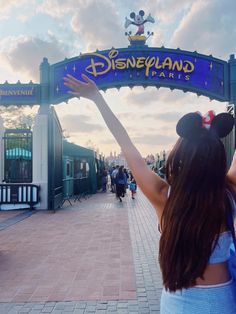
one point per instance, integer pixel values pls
(152, 186)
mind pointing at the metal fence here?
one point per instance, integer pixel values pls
(18, 156)
(19, 194)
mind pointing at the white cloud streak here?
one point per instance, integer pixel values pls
(24, 54)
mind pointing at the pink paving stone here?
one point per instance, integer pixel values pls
(80, 253)
(9, 214)
(111, 291)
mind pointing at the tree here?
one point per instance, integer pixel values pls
(18, 117)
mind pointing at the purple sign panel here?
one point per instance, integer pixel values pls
(145, 67)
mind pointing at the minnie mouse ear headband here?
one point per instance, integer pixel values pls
(194, 124)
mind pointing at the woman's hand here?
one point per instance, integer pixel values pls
(87, 89)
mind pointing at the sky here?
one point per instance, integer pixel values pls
(59, 29)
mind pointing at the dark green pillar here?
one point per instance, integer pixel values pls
(44, 86)
(92, 175)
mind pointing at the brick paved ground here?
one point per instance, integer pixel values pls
(98, 256)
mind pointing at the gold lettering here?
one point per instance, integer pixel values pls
(120, 63)
(157, 66)
(103, 64)
(149, 62)
(188, 67)
(16, 92)
(178, 65)
(98, 68)
(187, 77)
(113, 53)
(131, 63)
(167, 63)
(162, 74)
(113, 66)
(140, 62)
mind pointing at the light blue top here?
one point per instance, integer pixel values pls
(221, 251)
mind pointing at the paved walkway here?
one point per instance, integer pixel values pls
(97, 256)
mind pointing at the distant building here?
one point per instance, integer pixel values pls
(114, 160)
(150, 160)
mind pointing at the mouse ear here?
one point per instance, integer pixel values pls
(222, 124)
(190, 125)
(141, 12)
(132, 15)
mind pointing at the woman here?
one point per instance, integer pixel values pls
(194, 244)
(104, 180)
(121, 181)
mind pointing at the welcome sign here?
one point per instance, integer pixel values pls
(19, 94)
(158, 67)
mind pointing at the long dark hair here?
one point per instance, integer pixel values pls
(120, 173)
(195, 210)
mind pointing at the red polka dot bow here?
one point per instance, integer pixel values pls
(207, 119)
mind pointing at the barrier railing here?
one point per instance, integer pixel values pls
(81, 187)
(76, 188)
(19, 194)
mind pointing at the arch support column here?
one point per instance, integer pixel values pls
(40, 158)
(2, 130)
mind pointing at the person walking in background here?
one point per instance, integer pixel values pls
(127, 179)
(113, 178)
(133, 188)
(121, 181)
(104, 180)
(192, 206)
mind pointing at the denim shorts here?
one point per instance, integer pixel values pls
(214, 299)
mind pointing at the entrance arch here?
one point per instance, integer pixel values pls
(135, 65)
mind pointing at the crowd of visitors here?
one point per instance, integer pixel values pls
(118, 179)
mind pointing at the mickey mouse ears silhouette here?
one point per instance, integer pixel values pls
(194, 124)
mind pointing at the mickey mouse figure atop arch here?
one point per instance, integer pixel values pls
(139, 21)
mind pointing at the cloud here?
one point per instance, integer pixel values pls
(24, 54)
(155, 139)
(79, 124)
(168, 117)
(8, 6)
(169, 10)
(100, 24)
(209, 27)
(151, 95)
(96, 24)
(108, 142)
(56, 8)
(141, 97)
